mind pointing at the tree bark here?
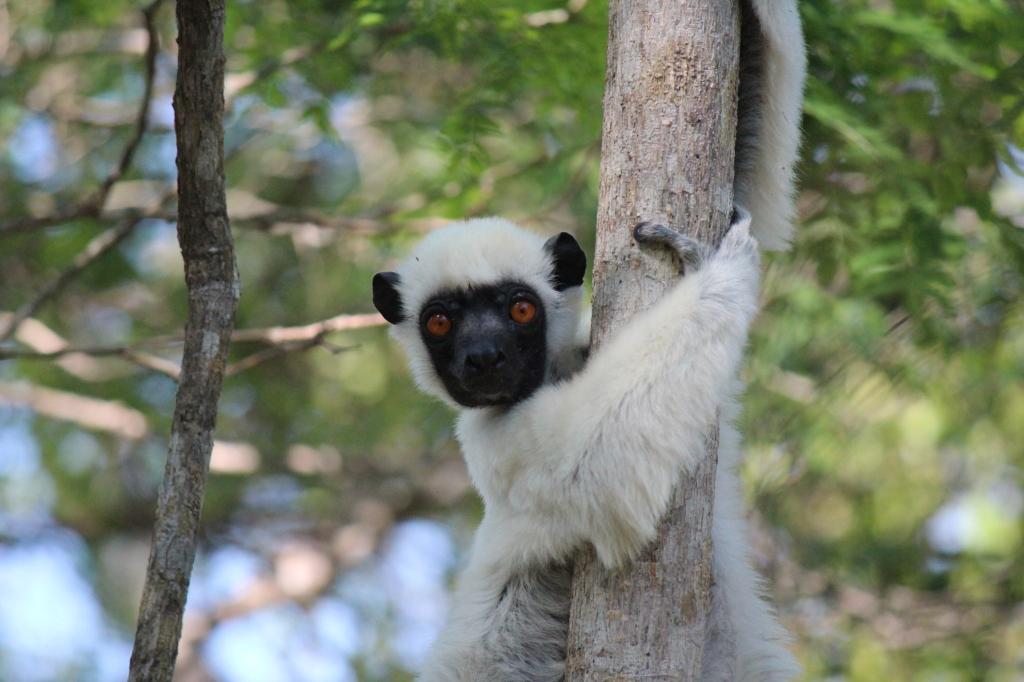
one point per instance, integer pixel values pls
(213, 288)
(667, 156)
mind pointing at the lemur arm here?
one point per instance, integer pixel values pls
(595, 458)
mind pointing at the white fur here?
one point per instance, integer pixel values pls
(593, 458)
(768, 194)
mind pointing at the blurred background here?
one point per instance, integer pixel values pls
(884, 414)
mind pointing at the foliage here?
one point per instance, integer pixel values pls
(884, 409)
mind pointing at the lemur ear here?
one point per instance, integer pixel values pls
(569, 261)
(386, 298)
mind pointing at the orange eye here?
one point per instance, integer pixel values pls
(523, 312)
(439, 324)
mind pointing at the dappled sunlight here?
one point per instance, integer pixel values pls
(883, 409)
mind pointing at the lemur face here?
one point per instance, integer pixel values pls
(479, 304)
(487, 343)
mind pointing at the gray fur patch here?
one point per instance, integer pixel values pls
(751, 101)
(526, 637)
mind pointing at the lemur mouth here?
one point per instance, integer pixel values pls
(491, 387)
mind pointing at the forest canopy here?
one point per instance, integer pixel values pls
(884, 409)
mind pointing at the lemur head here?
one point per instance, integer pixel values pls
(483, 309)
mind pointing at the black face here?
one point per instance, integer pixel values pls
(487, 344)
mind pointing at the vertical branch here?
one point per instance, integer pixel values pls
(206, 245)
(667, 157)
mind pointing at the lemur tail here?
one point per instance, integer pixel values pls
(772, 70)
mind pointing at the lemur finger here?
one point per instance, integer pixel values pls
(689, 250)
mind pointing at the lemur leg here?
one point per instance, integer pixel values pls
(526, 632)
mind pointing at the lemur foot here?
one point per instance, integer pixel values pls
(689, 250)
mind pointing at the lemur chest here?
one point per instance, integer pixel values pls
(494, 471)
(496, 459)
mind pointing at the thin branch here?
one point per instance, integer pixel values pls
(898, 323)
(266, 355)
(142, 119)
(266, 221)
(94, 351)
(127, 353)
(291, 57)
(28, 224)
(102, 243)
(291, 338)
(260, 222)
(241, 81)
(277, 335)
(93, 207)
(276, 351)
(153, 362)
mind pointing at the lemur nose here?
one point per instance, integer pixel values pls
(484, 358)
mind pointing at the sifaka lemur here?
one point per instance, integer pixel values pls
(568, 448)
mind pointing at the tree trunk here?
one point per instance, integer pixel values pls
(213, 288)
(667, 157)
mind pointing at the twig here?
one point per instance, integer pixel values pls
(28, 224)
(275, 336)
(153, 362)
(898, 323)
(276, 351)
(269, 68)
(265, 355)
(266, 221)
(93, 251)
(279, 335)
(142, 119)
(94, 351)
(290, 57)
(260, 222)
(93, 207)
(127, 353)
(169, 367)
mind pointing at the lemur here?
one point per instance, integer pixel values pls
(567, 449)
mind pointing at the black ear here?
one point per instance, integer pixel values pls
(386, 298)
(569, 260)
